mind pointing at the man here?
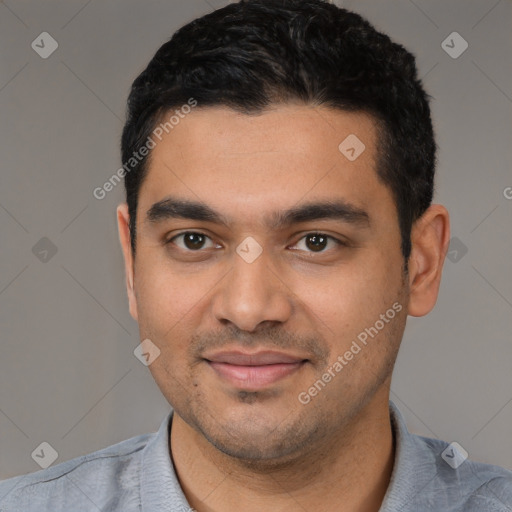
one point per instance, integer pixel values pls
(279, 163)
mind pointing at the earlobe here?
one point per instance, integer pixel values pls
(123, 224)
(430, 237)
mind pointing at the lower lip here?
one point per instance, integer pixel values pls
(254, 377)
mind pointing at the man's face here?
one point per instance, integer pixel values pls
(245, 336)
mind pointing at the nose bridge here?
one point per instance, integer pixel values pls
(252, 279)
(252, 293)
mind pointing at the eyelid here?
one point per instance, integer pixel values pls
(337, 241)
(188, 232)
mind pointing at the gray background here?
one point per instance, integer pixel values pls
(68, 375)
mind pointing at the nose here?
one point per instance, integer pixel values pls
(251, 294)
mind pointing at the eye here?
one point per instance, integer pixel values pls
(317, 242)
(192, 241)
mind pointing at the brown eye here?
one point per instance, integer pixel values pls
(316, 242)
(191, 241)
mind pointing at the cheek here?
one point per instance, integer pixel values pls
(168, 305)
(349, 300)
(164, 297)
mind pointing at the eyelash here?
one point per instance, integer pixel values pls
(338, 242)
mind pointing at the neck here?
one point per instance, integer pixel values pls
(349, 472)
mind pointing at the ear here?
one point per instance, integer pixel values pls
(430, 237)
(123, 224)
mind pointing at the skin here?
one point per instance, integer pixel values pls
(240, 448)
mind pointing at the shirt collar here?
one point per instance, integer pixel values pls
(159, 486)
(414, 466)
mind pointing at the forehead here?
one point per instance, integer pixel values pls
(249, 164)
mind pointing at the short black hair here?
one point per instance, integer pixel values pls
(254, 54)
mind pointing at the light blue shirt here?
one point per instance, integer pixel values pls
(138, 475)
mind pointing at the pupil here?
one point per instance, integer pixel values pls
(318, 242)
(194, 240)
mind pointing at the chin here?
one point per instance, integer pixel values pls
(261, 440)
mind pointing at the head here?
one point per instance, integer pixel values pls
(291, 131)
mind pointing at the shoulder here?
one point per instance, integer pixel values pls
(88, 482)
(474, 485)
(432, 474)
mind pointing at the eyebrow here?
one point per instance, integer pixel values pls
(174, 208)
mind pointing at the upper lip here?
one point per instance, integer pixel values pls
(253, 359)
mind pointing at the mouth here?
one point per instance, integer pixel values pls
(253, 371)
